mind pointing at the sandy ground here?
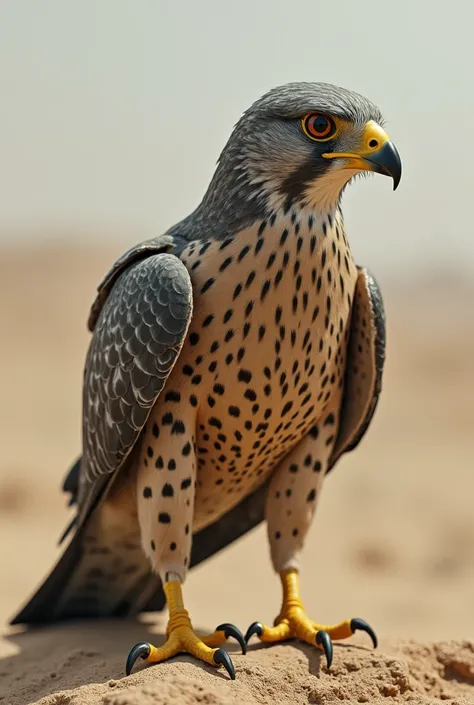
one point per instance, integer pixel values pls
(392, 541)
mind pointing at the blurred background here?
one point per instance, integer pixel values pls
(112, 117)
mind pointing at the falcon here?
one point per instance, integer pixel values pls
(233, 360)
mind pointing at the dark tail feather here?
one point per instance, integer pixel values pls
(68, 530)
(41, 607)
(71, 485)
(71, 482)
(94, 577)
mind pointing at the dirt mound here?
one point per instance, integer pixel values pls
(83, 665)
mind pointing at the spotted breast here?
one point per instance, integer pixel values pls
(265, 353)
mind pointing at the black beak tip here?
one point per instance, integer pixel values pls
(394, 166)
(387, 161)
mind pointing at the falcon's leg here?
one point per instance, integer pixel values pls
(165, 494)
(181, 638)
(290, 507)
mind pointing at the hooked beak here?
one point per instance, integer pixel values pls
(377, 153)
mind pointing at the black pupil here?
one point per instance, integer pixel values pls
(320, 124)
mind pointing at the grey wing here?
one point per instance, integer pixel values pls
(364, 366)
(136, 342)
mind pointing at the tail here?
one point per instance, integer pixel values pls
(102, 572)
(78, 587)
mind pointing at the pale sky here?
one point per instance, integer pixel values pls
(113, 112)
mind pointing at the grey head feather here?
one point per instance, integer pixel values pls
(293, 100)
(268, 156)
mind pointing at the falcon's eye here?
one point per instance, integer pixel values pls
(318, 127)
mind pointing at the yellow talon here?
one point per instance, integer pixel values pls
(181, 638)
(214, 640)
(280, 632)
(335, 631)
(292, 622)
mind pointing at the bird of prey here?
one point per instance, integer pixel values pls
(233, 360)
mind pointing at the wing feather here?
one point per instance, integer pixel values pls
(136, 341)
(365, 365)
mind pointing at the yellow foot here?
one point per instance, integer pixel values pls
(181, 638)
(292, 623)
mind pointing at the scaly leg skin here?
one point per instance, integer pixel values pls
(180, 638)
(292, 622)
(165, 503)
(290, 507)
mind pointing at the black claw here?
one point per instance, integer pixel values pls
(323, 639)
(230, 630)
(142, 649)
(361, 625)
(223, 657)
(255, 628)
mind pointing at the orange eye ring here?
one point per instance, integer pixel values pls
(318, 127)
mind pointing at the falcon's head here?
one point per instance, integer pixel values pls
(301, 143)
